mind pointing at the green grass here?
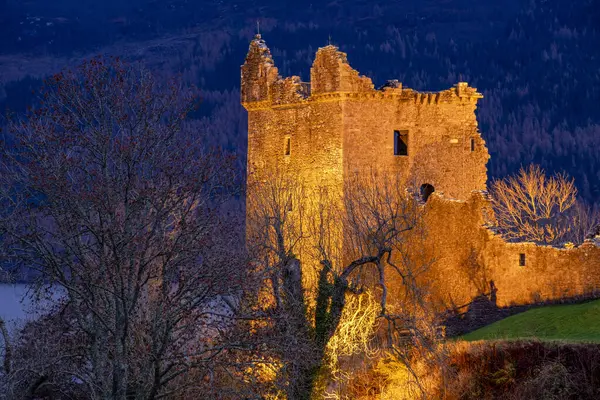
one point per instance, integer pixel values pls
(573, 323)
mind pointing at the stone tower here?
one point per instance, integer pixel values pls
(339, 124)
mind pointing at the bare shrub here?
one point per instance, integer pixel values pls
(551, 381)
(522, 370)
(584, 223)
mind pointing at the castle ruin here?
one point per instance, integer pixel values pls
(339, 124)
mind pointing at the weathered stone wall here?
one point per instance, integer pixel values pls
(440, 128)
(258, 72)
(331, 73)
(440, 125)
(315, 159)
(315, 147)
(469, 255)
(314, 129)
(549, 273)
(342, 125)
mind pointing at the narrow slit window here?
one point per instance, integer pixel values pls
(472, 144)
(287, 146)
(400, 143)
(521, 260)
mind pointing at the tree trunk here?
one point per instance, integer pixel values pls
(7, 347)
(302, 385)
(329, 307)
(120, 363)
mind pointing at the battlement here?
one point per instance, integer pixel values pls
(331, 77)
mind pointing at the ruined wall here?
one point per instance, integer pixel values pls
(315, 155)
(549, 273)
(469, 255)
(315, 148)
(294, 135)
(331, 73)
(286, 112)
(440, 125)
(258, 72)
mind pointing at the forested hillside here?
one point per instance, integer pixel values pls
(536, 62)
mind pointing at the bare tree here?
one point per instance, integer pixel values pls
(276, 227)
(120, 210)
(362, 240)
(534, 207)
(584, 222)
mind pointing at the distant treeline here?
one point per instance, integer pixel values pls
(537, 64)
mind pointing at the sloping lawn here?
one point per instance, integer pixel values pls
(575, 323)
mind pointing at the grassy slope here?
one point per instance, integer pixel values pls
(580, 322)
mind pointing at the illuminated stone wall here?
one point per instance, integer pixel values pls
(339, 124)
(345, 121)
(469, 255)
(314, 128)
(440, 127)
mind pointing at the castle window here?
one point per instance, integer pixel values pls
(426, 190)
(287, 146)
(472, 144)
(522, 260)
(400, 143)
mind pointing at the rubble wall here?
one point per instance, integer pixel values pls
(468, 255)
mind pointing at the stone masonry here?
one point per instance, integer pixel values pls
(339, 124)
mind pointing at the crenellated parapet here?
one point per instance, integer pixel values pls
(332, 78)
(289, 91)
(461, 92)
